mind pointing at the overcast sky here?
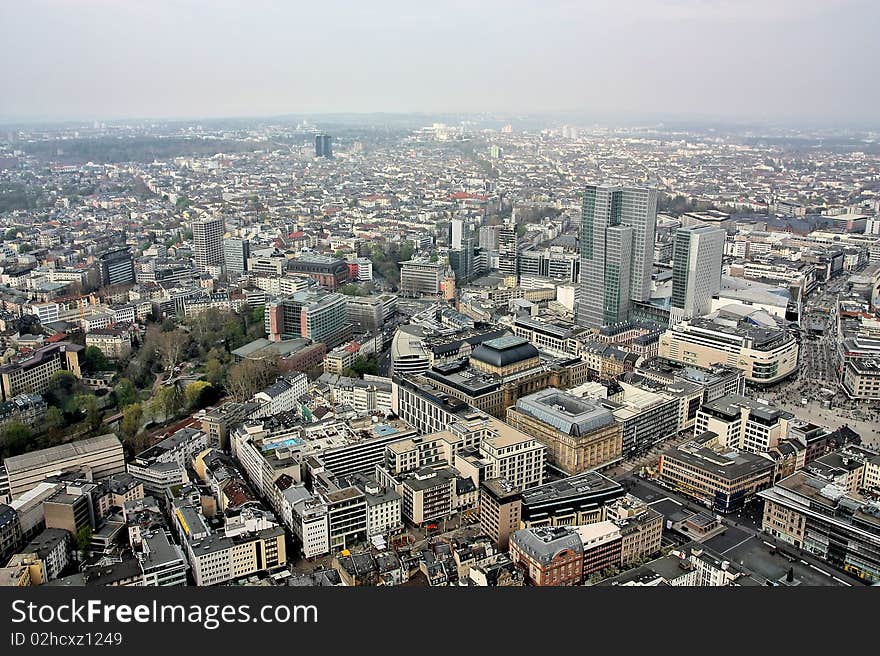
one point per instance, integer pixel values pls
(797, 60)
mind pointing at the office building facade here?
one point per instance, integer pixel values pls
(323, 145)
(116, 267)
(318, 316)
(208, 242)
(418, 278)
(696, 271)
(617, 245)
(508, 253)
(236, 252)
(819, 517)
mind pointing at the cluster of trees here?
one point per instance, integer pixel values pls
(216, 334)
(148, 388)
(529, 214)
(73, 410)
(70, 401)
(15, 439)
(209, 337)
(246, 378)
(361, 366)
(167, 403)
(93, 359)
(16, 196)
(352, 289)
(678, 204)
(105, 150)
(386, 259)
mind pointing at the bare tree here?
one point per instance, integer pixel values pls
(246, 378)
(171, 346)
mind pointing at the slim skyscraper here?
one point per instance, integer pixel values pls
(617, 246)
(507, 247)
(323, 146)
(696, 272)
(456, 229)
(208, 242)
(235, 256)
(461, 254)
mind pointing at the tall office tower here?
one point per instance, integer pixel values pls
(461, 254)
(507, 247)
(617, 249)
(488, 237)
(235, 256)
(696, 272)
(462, 262)
(323, 147)
(456, 228)
(208, 242)
(116, 267)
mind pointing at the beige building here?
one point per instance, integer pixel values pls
(32, 374)
(500, 510)
(421, 451)
(765, 355)
(428, 494)
(580, 434)
(102, 454)
(114, 343)
(641, 528)
(23, 570)
(513, 455)
(338, 360)
(69, 509)
(742, 423)
(218, 558)
(720, 477)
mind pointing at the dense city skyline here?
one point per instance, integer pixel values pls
(799, 62)
(495, 294)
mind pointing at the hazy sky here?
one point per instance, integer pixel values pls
(801, 60)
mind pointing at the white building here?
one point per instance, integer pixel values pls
(208, 242)
(383, 509)
(307, 517)
(696, 272)
(283, 395)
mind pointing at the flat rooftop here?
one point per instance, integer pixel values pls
(587, 484)
(728, 464)
(61, 453)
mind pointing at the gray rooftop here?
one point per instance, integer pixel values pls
(728, 464)
(567, 413)
(61, 453)
(544, 543)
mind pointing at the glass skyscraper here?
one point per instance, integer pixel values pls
(323, 145)
(617, 247)
(696, 271)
